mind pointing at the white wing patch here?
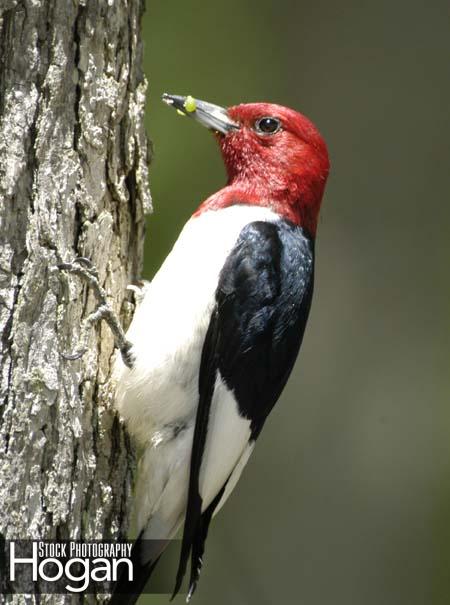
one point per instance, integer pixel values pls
(235, 475)
(227, 437)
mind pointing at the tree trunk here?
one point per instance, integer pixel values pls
(73, 182)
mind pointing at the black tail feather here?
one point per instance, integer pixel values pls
(144, 557)
(194, 544)
(198, 544)
(191, 523)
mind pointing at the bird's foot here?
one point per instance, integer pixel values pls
(83, 267)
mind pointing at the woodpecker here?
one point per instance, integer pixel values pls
(216, 334)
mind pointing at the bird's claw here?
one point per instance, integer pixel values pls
(75, 355)
(84, 260)
(84, 268)
(80, 265)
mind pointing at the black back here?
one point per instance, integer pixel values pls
(263, 303)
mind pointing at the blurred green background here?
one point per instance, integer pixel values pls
(346, 499)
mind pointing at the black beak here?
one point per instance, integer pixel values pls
(207, 114)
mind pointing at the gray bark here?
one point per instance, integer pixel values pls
(73, 182)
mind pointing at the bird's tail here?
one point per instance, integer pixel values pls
(144, 557)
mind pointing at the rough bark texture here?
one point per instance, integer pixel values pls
(73, 182)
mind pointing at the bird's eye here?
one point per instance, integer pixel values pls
(267, 125)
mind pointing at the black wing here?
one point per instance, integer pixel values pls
(256, 329)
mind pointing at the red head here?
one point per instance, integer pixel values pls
(274, 157)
